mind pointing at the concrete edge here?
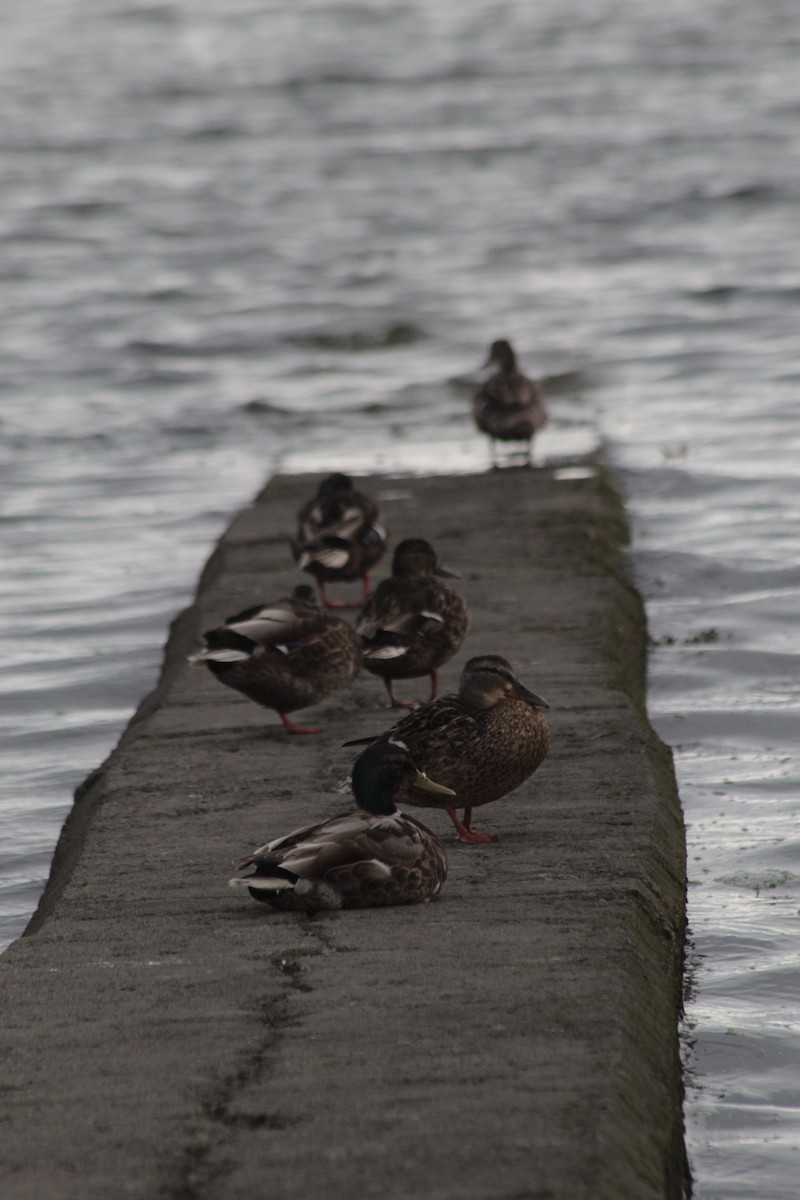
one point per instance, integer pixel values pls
(657, 942)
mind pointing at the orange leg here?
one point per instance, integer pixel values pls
(434, 684)
(326, 601)
(290, 726)
(464, 829)
(393, 701)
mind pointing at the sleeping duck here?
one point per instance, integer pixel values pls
(373, 856)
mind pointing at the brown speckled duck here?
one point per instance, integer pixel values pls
(412, 623)
(508, 406)
(339, 537)
(287, 655)
(482, 743)
(374, 856)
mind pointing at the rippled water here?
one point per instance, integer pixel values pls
(256, 237)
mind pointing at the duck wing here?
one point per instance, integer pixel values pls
(408, 608)
(353, 840)
(446, 721)
(270, 625)
(334, 520)
(334, 553)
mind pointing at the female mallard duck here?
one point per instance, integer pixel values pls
(412, 623)
(286, 655)
(482, 743)
(508, 406)
(338, 537)
(371, 857)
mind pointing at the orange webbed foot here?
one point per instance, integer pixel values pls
(464, 828)
(290, 726)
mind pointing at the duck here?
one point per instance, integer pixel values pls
(372, 857)
(508, 406)
(413, 623)
(482, 742)
(339, 537)
(285, 655)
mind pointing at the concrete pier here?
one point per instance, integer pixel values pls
(165, 1038)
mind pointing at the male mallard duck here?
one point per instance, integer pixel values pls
(412, 623)
(338, 537)
(371, 857)
(286, 655)
(508, 406)
(482, 743)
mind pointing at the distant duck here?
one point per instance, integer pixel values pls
(339, 537)
(482, 743)
(287, 655)
(412, 623)
(374, 856)
(508, 406)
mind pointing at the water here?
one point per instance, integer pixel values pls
(281, 237)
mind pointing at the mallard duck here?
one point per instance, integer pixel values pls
(412, 623)
(508, 406)
(339, 537)
(482, 743)
(371, 857)
(286, 655)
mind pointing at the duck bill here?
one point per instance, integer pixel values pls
(424, 784)
(529, 697)
(441, 569)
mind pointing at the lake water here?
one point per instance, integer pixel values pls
(242, 238)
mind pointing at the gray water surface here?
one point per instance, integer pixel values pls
(256, 237)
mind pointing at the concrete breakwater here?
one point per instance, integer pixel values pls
(164, 1037)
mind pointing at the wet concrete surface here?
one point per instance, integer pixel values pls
(163, 1036)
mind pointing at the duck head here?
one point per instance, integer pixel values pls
(488, 679)
(379, 773)
(415, 556)
(304, 597)
(334, 486)
(501, 355)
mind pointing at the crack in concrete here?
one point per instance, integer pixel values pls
(195, 1170)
